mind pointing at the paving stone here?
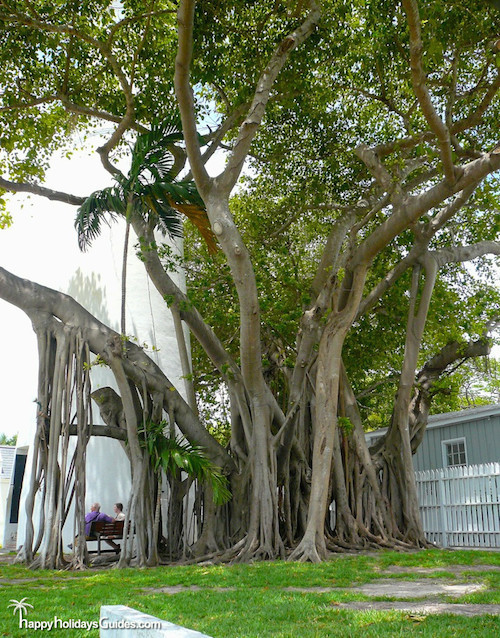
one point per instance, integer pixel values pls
(422, 588)
(423, 607)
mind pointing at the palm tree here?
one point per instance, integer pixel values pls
(20, 606)
(150, 191)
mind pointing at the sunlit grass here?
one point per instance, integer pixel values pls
(257, 600)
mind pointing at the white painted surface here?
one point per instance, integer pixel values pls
(119, 621)
(7, 459)
(4, 497)
(460, 506)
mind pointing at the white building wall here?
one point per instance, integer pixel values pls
(7, 456)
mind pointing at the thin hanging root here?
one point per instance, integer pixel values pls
(62, 383)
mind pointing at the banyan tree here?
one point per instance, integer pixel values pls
(347, 288)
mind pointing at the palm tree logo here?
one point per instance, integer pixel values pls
(21, 606)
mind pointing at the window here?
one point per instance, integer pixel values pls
(454, 453)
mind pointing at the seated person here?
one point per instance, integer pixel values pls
(95, 515)
(118, 509)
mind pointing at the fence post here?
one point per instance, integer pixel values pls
(442, 507)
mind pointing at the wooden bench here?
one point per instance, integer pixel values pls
(103, 531)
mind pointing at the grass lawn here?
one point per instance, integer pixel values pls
(252, 601)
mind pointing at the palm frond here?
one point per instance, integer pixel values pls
(198, 217)
(151, 152)
(167, 218)
(168, 221)
(183, 192)
(172, 454)
(184, 197)
(152, 188)
(90, 214)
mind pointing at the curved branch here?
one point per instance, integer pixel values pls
(226, 126)
(184, 93)
(188, 313)
(261, 96)
(38, 23)
(459, 126)
(415, 206)
(127, 121)
(28, 105)
(416, 251)
(102, 115)
(474, 118)
(437, 126)
(34, 189)
(130, 20)
(371, 160)
(448, 355)
(459, 254)
(33, 299)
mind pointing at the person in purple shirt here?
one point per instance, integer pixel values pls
(95, 515)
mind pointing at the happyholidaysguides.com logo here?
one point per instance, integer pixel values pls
(21, 607)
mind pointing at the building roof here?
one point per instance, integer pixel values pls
(471, 414)
(450, 418)
(7, 458)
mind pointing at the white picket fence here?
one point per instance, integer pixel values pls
(460, 506)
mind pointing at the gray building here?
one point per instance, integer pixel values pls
(468, 437)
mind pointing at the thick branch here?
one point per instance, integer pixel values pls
(249, 127)
(437, 126)
(371, 160)
(33, 299)
(416, 251)
(184, 93)
(188, 313)
(331, 251)
(112, 432)
(415, 206)
(261, 96)
(448, 355)
(458, 254)
(57, 196)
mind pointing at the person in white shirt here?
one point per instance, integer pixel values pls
(118, 509)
